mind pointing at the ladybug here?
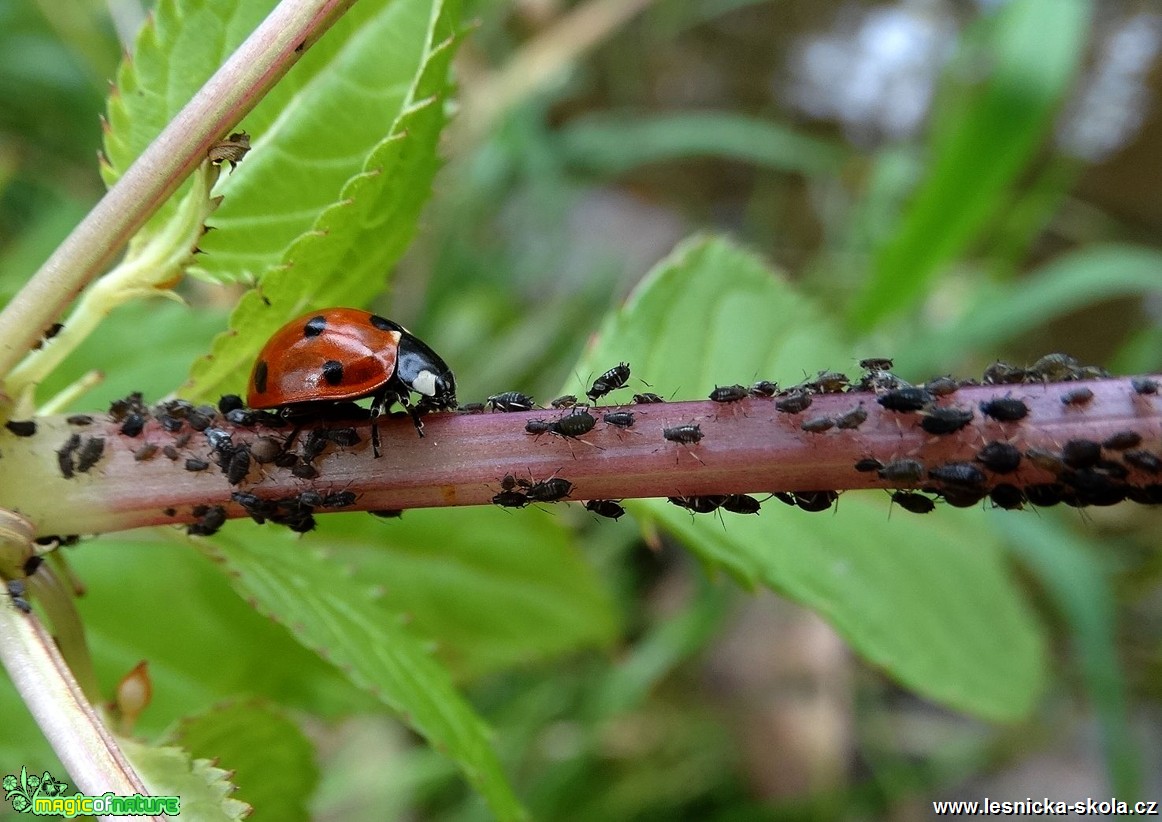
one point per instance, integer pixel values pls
(347, 354)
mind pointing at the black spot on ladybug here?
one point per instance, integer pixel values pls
(89, 453)
(913, 502)
(945, 419)
(228, 402)
(21, 428)
(1081, 453)
(1122, 441)
(315, 326)
(333, 372)
(904, 400)
(999, 457)
(610, 509)
(1005, 409)
(261, 372)
(79, 419)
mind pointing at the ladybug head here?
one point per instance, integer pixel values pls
(422, 370)
(438, 390)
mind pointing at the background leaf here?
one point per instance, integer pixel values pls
(980, 145)
(612, 143)
(492, 590)
(268, 755)
(373, 647)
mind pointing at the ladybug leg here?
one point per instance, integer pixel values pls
(414, 411)
(377, 405)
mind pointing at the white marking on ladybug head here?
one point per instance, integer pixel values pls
(425, 383)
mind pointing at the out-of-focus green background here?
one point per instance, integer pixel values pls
(952, 219)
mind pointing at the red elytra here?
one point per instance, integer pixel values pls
(338, 354)
(329, 355)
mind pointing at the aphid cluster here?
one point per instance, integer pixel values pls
(517, 493)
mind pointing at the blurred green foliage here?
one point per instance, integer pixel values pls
(629, 696)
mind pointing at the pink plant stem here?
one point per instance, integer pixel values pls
(747, 447)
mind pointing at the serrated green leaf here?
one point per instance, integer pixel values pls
(198, 616)
(180, 46)
(204, 790)
(614, 143)
(342, 159)
(981, 144)
(929, 600)
(272, 762)
(460, 564)
(372, 647)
